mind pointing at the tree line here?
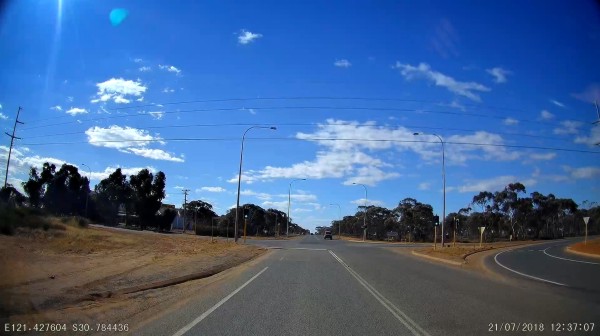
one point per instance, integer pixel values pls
(135, 200)
(506, 214)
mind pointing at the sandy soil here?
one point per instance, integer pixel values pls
(462, 252)
(592, 247)
(100, 274)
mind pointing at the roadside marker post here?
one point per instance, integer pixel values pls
(245, 224)
(435, 237)
(481, 229)
(586, 220)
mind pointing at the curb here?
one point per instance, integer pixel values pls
(451, 262)
(568, 249)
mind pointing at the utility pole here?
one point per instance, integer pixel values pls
(597, 121)
(12, 140)
(185, 193)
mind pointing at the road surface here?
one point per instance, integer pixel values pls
(311, 286)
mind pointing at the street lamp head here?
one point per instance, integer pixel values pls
(273, 128)
(416, 133)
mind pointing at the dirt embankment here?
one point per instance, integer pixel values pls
(83, 271)
(457, 255)
(591, 248)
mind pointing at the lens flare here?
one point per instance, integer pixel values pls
(117, 16)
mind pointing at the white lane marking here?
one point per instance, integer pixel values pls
(523, 274)
(280, 259)
(213, 308)
(398, 314)
(573, 260)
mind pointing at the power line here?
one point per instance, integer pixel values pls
(315, 124)
(323, 139)
(331, 108)
(229, 100)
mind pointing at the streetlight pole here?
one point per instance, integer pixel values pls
(443, 180)
(365, 217)
(339, 218)
(87, 196)
(237, 203)
(287, 231)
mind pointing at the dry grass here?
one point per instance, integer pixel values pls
(47, 271)
(592, 247)
(462, 250)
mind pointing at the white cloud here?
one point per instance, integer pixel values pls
(356, 160)
(342, 63)
(584, 172)
(3, 116)
(212, 189)
(157, 114)
(260, 196)
(118, 89)
(568, 127)
(168, 90)
(145, 69)
(590, 94)
(70, 99)
(155, 154)
(138, 60)
(592, 140)
(423, 70)
(499, 74)
(0, 106)
(557, 103)
(121, 100)
(545, 115)
(462, 152)
(424, 186)
(129, 140)
(279, 205)
(361, 202)
(141, 99)
(119, 137)
(76, 110)
(56, 108)
(245, 37)
(492, 184)
(510, 121)
(170, 68)
(21, 161)
(100, 175)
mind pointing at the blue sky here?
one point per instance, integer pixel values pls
(521, 76)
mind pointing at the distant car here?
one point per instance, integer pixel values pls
(328, 235)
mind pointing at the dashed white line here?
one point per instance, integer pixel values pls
(573, 260)
(525, 275)
(213, 308)
(411, 325)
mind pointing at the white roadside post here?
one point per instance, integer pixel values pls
(586, 220)
(481, 229)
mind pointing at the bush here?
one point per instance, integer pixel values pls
(12, 218)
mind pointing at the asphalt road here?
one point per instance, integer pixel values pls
(549, 263)
(314, 287)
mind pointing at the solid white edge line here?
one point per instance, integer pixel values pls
(383, 300)
(573, 260)
(525, 275)
(197, 320)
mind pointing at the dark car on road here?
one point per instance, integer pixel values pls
(328, 235)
